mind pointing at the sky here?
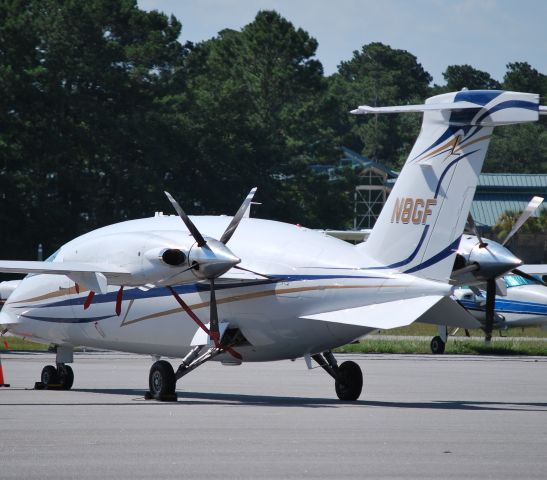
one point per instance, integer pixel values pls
(486, 34)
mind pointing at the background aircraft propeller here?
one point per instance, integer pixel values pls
(495, 284)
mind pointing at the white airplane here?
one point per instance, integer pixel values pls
(169, 288)
(523, 305)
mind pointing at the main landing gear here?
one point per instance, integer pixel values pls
(347, 376)
(60, 377)
(438, 343)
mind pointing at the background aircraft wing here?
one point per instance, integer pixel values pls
(398, 313)
(538, 269)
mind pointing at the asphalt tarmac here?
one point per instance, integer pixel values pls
(423, 417)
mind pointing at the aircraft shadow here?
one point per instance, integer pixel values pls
(234, 399)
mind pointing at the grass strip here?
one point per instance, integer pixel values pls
(454, 346)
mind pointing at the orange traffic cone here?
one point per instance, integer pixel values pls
(2, 384)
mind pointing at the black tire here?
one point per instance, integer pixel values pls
(162, 381)
(437, 345)
(350, 381)
(49, 375)
(67, 378)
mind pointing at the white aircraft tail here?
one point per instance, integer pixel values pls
(420, 226)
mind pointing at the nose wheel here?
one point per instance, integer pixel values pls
(56, 378)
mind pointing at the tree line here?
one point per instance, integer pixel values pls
(102, 108)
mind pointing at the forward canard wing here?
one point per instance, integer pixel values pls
(92, 276)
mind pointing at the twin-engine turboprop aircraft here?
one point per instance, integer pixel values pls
(265, 290)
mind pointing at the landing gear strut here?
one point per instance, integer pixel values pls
(347, 376)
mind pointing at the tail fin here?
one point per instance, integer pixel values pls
(420, 226)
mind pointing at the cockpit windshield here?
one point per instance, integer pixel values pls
(517, 281)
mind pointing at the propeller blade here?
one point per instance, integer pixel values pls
(471, 223)
(213, 315)
(269, 277)
(200, 324)
(530, 208)
(237, 217)
(167, 280)
(189, 224)
(527, 276)
(466, 269)
(490, 313)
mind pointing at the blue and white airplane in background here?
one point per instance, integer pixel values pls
(523, 305)
(248, 290)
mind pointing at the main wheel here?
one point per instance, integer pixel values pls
(49, 375)
(437, 345)
(350, 381)
(162, 381)
(66, 378)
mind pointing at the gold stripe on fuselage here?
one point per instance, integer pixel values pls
(249, 296)
(57, 293)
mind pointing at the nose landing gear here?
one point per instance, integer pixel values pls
(60, 377)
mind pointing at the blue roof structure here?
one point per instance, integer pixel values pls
(499, 192)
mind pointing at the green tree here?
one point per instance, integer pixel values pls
(84, 138)
(256, 103)
(379, 75)
(507, 220)
(465, 76)
(522, 77)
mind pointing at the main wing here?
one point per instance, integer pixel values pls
(401, 313)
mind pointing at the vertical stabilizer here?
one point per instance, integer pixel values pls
(419, 228)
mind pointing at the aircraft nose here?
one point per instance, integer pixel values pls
(7, 319)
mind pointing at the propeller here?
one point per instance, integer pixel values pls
(501, 260)
(210, 259)
(490, 313)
